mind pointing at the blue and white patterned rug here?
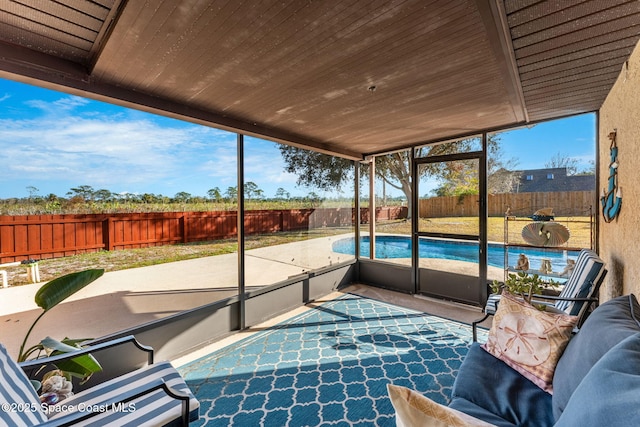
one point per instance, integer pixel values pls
(329, 366)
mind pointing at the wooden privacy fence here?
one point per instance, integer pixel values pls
(54, 236)
(570, 203)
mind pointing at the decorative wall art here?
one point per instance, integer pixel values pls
(611, 199)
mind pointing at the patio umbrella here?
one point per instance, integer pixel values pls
(543, 233)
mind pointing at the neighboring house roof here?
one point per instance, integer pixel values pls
(553, 179)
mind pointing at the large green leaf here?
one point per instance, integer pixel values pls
(54, 292)
(57, 346)
(61, 288)
(81, 366)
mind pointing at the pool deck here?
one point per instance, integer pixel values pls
(122, 299)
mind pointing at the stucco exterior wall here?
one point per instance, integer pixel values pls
(620, 239)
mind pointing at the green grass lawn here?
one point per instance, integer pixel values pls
(132, 258)
(579, 227)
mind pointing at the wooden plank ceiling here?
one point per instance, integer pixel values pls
(350, 77)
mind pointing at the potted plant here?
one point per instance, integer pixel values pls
(48, 296)
(525, 286)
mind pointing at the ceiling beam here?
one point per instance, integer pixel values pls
(38, 69)
(494, 18)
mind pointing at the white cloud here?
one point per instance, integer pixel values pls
(61, 105)
(64, 144)
(266, 166)
(72, 141)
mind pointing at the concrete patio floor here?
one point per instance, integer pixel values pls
(446, 309)
(122, 299)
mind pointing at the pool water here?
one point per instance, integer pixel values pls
(400, 247)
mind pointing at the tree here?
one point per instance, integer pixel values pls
(149, 198)
(461, 178)
(314, 199)
(215, 194)
(85, 192)
(231, 193)
(198, 199)
(282, 194)
(588, 170)
(394, 170)
(560, 160)
(251, 191)
(501, 174)
(329, 173)
(503, 181)
(103, 195)
(33, 192)
(129, 197)
(182, 197)
(316, 169)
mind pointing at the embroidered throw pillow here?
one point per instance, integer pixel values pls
(414, 409)
(529, 340)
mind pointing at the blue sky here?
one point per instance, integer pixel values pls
(54, 142)
(534, 146)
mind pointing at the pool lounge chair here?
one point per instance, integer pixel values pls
(578, 295)
(154, 395)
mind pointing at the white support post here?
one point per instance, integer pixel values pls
(33, 273)
(3, 273)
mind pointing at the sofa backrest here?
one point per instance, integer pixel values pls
(608, 395)
(608, 325)
(19, 401)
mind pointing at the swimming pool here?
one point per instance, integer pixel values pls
(400, 247)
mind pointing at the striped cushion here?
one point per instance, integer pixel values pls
(492, 304)
(15, 389)
(588, 270)
(153, 409)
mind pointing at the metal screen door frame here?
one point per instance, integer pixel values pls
(451, 285)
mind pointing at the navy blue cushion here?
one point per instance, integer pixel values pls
(609, 394)
(492, 385)
(607, 326)
(463, 405)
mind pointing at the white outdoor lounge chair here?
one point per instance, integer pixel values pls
(579, 292)
(155, 395)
